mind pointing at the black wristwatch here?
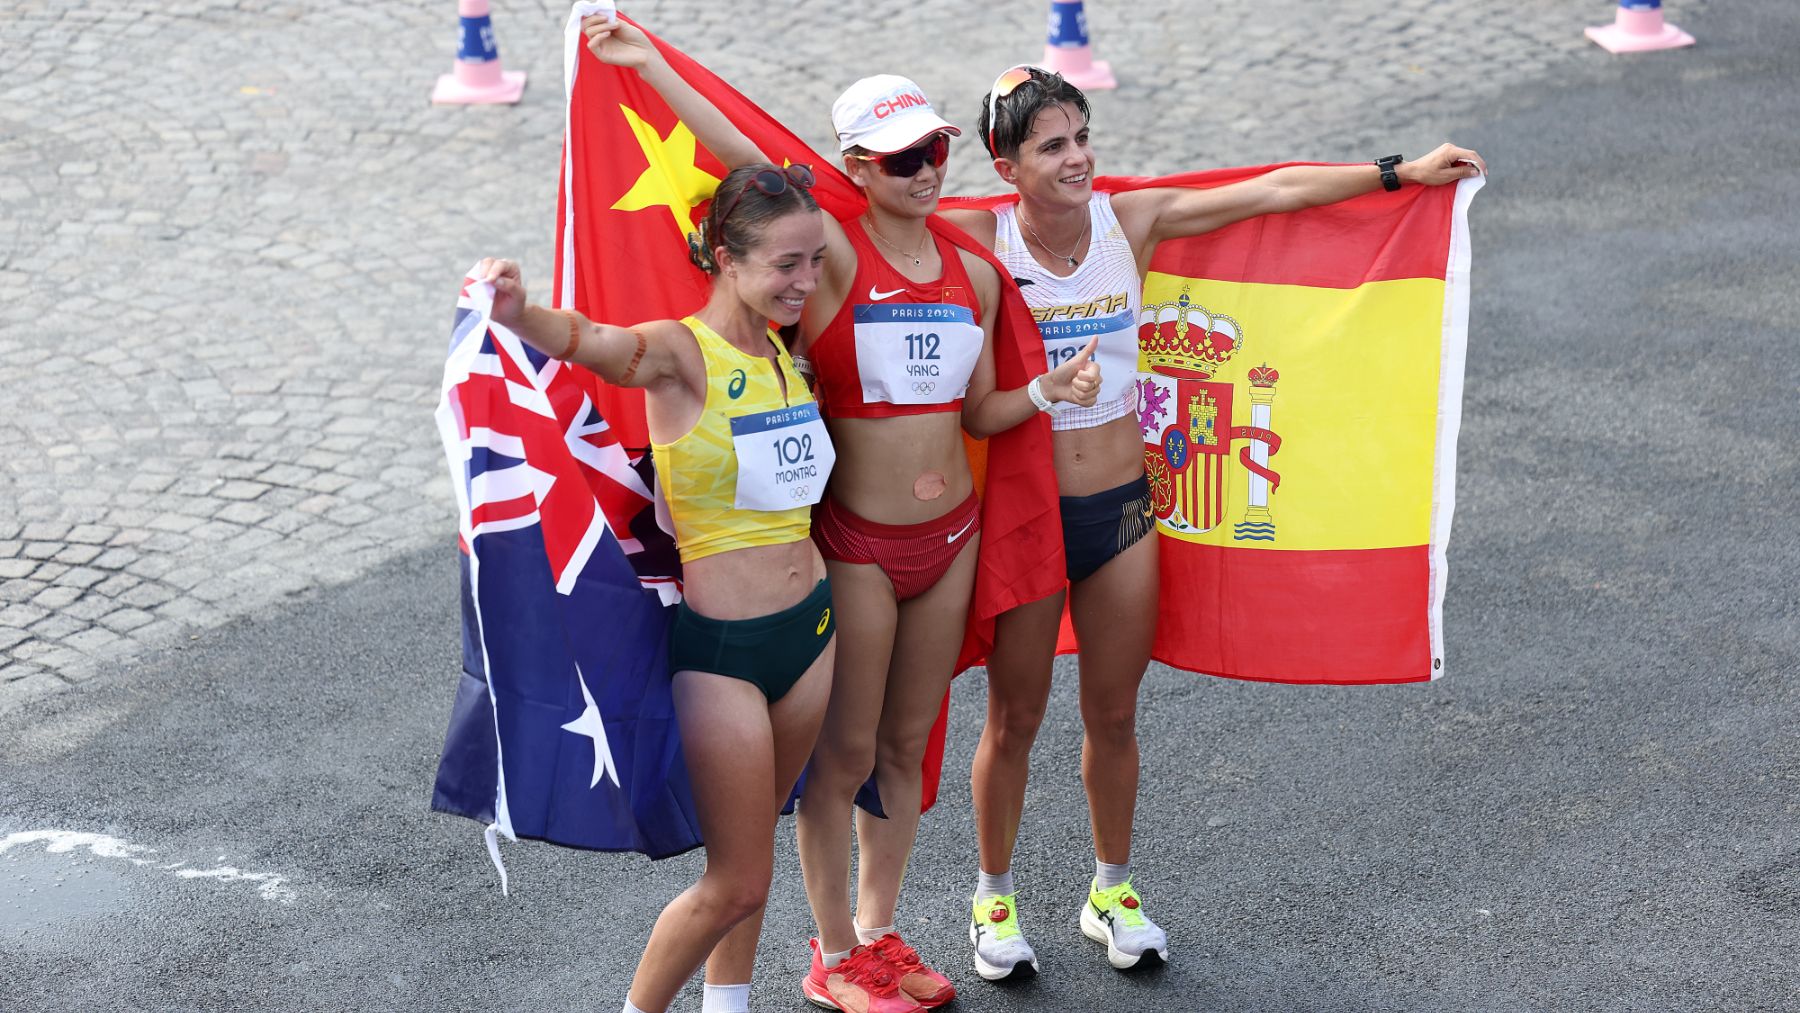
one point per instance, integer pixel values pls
(1390, 180)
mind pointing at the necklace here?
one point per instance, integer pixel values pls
(917, 262)
(1070, 256)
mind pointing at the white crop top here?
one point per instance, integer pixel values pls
(1103, 296)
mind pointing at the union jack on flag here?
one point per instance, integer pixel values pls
(563, 727)
(532, 436)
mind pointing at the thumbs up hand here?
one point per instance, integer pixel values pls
(1076, 381)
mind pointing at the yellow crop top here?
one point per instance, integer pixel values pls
(746, 424)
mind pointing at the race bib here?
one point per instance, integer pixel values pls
(1117, 354)
(783, 458)
(915, 353)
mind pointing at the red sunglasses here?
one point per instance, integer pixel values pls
(771, 182)
(1008, 82)
(907, 163)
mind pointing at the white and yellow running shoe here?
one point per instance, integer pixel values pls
(1116, 917)
(1000, 948)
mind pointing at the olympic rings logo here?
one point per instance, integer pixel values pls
(800, 494)
(924, 386)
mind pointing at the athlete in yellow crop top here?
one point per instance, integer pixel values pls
(741, 456)
(770, 445)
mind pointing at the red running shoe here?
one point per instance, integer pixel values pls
(927, 987)
(861, 983)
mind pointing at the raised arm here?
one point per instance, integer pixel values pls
(1158, 213)
(987, 411)
(625, 45)
(625, 357)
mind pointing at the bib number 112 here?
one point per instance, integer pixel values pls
(922, 346)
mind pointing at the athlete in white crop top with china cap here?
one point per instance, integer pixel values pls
(1076, 250)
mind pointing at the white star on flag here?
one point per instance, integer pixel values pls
(591, 725)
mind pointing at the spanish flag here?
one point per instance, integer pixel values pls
(1300, 395)
(1300, 391)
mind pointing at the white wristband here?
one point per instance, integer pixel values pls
(1035, 391)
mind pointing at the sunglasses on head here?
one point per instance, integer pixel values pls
(771, 182)
(907, 163)
(1008, 82)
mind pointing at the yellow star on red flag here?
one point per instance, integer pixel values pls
(671, 180)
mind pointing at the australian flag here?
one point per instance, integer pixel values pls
(563, 728)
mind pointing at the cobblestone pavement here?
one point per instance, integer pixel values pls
(232, 230)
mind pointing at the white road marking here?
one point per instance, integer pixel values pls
(60, 842)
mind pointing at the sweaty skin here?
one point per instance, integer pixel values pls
(928, 486)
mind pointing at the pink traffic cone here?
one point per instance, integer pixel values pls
(477, 77)
(1638, 27)
(1067, 52)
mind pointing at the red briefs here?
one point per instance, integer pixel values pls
(913, 556)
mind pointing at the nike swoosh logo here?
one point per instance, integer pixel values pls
(875, 296)
(965, 530)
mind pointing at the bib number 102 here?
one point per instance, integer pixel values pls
(793, 449)
(922, 346)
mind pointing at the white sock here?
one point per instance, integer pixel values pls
(993, 884)
(629, 1008)
(831, 960)
(1108, 876)
(726, 999)
(867, 936)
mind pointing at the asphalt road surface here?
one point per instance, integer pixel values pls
(1597, 809)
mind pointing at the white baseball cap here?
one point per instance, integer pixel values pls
(884, 114)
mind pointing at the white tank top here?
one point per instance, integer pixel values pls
(1101, 297)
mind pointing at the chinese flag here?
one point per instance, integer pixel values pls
(633, 183)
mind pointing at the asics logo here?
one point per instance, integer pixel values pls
(877, 296)
(952, 541)
(824, 621)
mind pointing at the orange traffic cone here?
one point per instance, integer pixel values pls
(477, 77)
(1067, 51)
(1639, 27)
